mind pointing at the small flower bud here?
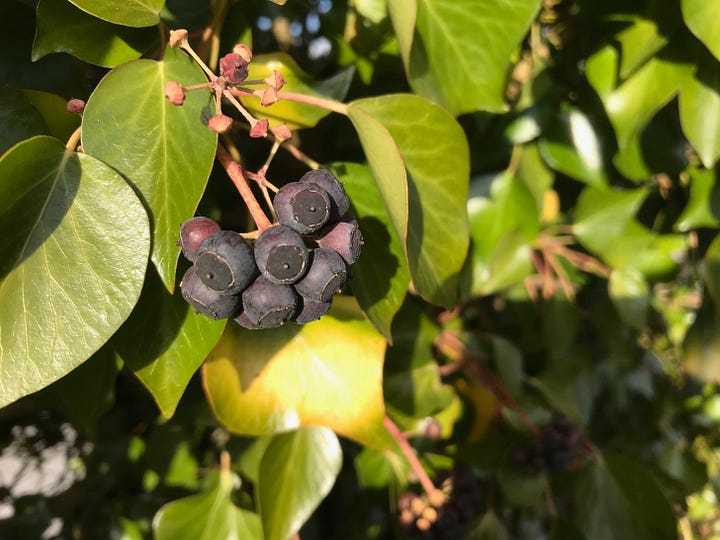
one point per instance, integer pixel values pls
(174, 93)
(269, 97)
(259, 129)
(220, 123)
(176, 36)
(75, 105)
(282, 132)
(243, 51)
(234, 68)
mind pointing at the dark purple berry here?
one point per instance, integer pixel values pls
(225, 262)
(234, 68)
(281, 254)
(193, 232)
(340, 203)
(325, 277)
(205, 300)
(269, 304)
(343, 237)
(311, 311)
(305, 208)
(244, 321)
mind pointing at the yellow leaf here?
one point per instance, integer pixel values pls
(326, 373)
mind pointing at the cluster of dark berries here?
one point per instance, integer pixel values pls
(449, 517)
(559, 445)
(292, 270)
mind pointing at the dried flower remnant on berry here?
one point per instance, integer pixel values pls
(75, 105)
(220, 123)
(259, 129)
(177, 37)
(243, 51)
(234, 68)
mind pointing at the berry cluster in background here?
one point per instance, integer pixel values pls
(291, 271)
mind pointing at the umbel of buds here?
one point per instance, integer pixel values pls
(292, 270)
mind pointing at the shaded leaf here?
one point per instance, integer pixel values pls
(509, 364)
(297, 471)
(53, 108)
(164, 342)
(460, 50)
(73, 267)
(19, 120)
(166, 152)
(629, 293)
(207, 516)
(295, 115)
(380, 277)
(125, 12)
(62, 27)
(327, 373)
(435, 153)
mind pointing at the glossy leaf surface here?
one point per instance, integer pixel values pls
(166, 152)
(297, 471)
(74, 266)
(125, 12)
(435, 154)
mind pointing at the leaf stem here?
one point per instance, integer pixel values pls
(324, 103)
(74, 139)
(235, 173)
(415, 465)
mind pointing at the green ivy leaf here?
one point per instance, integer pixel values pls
(61, 27)
(411, 382)
(208, 515)
(380, 277)
(74, 266)
(60, 122)
(617, 498)
(571, 145)
(164, 342)
(639, 42)
(297, 471)
(295, 115)
(700, 111)
(166, 152)
(327, 373)
(701, 18)
(19, 120)
(502, 227)
(135, 13)
(461, 49)
(434, 150)
(629, 293)
(703, 206)
(403, 14)
(509, 364)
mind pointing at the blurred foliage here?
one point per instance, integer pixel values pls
(538, 302)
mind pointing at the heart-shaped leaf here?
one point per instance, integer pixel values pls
(380, 277)
(164, 342)
(434, 151)
(297, 471)
(73, 264)
(208, 515)
(295, 115)
(327, 373)
(166, 152)
(62, 27)
(461, 49)
(125, 12)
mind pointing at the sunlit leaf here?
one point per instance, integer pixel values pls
(434, 151)
(73, 267)
(62, 27)
(326, 373)
(701, 17)
(295, 115)
(208, 515)
(703, 206)
(166, 152)
(297, 471)
(630, 295)
(700, 111)
(125, 12)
